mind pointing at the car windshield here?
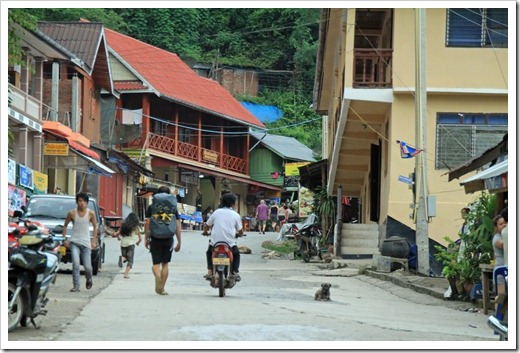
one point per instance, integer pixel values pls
(52, 207)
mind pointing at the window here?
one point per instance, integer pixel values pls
(476, 28)
(461, 137)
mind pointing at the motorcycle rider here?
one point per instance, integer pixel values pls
(227, 224)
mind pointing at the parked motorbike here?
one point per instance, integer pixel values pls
(32, 268)
(308, 237)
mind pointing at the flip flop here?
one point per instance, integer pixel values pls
(89, 284)
(126, 276)
(74, 290)
(164, 293)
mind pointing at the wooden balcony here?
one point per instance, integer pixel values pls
(25, 103)
(191, 152)
(372, 68)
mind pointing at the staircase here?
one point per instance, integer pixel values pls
(359, 241)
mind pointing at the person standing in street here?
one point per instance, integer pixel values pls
(262, 211)
(226, 224)
(130, 232)
(80, 243)
(162, 222)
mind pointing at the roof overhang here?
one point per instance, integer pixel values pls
(493, 179)
(477, 162)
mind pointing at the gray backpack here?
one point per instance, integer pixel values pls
(163, 222)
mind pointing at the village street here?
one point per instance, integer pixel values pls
(273, 302)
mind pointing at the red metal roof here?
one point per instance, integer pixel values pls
(169, 75)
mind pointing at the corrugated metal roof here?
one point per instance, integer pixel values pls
(287, 147)
(170, 76)
(81, 38)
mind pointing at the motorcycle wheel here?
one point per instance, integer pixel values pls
(16, 313)
(221, 289)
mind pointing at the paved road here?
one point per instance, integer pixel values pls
(273, 302)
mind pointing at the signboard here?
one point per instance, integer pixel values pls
(40, 181)
(405, 180)
(305, 202)
(291, 169)
(210, 156)
(16, 199)
(55, 149)
(11, 171)
(26, 177)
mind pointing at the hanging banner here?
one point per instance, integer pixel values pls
(291, 169)
(40, 182)
(11, 172)
(26, 177)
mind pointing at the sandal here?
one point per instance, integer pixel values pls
(126, 276)
(74, 289)
(89, 284)
(158, 284)
(208, 277)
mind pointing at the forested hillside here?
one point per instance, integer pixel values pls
(274, 39)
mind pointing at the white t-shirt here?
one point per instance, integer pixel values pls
(226, 223)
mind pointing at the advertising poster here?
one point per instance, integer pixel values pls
(40, 182)
(11, 171)
(305, 201)
(16, 199)
(26, 177)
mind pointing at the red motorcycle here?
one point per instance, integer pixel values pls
(222, 258)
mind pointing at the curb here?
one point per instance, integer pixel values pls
(405, 284)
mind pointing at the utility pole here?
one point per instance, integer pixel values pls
(421, 211)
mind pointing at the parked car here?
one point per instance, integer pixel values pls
(51, 210)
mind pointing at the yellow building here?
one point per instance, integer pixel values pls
(365, 84)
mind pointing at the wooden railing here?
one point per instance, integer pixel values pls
(372, 68)
(189, 151)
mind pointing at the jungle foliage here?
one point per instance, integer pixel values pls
(273, 39)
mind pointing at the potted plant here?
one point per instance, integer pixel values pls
(451, 267)
(325, 207)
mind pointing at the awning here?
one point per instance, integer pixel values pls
(95, 166)
(489, 155)
(489, 179)
(232, 177)
(75, 140)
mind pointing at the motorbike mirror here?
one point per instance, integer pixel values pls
(18, 214)
(32, 227)
(58, 229)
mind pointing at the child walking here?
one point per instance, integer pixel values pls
(130, 236)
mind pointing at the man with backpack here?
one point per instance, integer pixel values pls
(162, 222)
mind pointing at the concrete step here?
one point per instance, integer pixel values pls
(361, 226)
(361, 243)
(359, 234)
(349, 250)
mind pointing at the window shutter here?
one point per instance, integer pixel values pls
(453, 145)
(496, 24)
(464, 28)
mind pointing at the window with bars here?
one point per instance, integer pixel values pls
(476, 28)
(461, 137)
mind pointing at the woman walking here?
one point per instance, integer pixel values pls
(273, 216)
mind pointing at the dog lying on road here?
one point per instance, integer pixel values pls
(323, 293)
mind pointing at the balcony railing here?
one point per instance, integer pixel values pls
(189, 151)
(372, 68)
(25, 103)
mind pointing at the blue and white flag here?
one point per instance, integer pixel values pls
(408, 151)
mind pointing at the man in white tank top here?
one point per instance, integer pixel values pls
(80, 243)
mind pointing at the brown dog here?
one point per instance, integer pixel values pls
(323, 293)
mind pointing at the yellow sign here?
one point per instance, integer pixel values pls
(210, 156)
(40, 182)
(56, 149)
(291, 169)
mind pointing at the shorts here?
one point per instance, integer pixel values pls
(281, 218)
(161, 250)
(274, 218)
(128, 253)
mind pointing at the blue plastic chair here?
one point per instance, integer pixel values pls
(499, 271)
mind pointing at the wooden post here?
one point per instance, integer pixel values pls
(339, 223)
(176, 144)
(199, 139)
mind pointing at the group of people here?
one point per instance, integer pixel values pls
(162, 236)
(278, 215)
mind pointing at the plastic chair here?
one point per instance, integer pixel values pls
(499, 271)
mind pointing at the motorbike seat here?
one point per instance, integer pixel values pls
(29, 239)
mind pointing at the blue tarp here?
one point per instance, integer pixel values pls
(264, 113)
